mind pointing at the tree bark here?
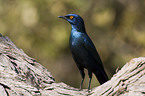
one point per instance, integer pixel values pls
(23, 75)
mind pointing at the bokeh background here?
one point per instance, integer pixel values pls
(117, 28)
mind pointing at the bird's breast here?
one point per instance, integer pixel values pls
(76, 35)
(76, 39)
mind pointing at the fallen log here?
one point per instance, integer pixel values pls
(21, 75)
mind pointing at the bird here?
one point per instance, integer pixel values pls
(84, 51)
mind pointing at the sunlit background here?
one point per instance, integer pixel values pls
(117, 28)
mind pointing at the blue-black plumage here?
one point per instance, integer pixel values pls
(84, 51)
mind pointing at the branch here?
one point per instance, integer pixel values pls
(23, 75)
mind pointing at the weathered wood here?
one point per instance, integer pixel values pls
(129, 81)
(23, 75)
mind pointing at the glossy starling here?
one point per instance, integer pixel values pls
(84, 51)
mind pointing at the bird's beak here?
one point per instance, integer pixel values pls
(63, 17)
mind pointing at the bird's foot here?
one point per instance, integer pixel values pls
(80, 89)
(89, 90)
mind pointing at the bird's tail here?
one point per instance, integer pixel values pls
(101, 76)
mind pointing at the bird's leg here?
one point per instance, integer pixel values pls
(90, 78)
(81, 84)
(89, 83)
(83, 76)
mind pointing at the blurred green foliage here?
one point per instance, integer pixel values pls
(117, 27)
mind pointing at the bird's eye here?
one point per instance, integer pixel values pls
(71, 17)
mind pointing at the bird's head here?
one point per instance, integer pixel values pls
(73, 19)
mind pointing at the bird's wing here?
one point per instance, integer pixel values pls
(92, 50)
